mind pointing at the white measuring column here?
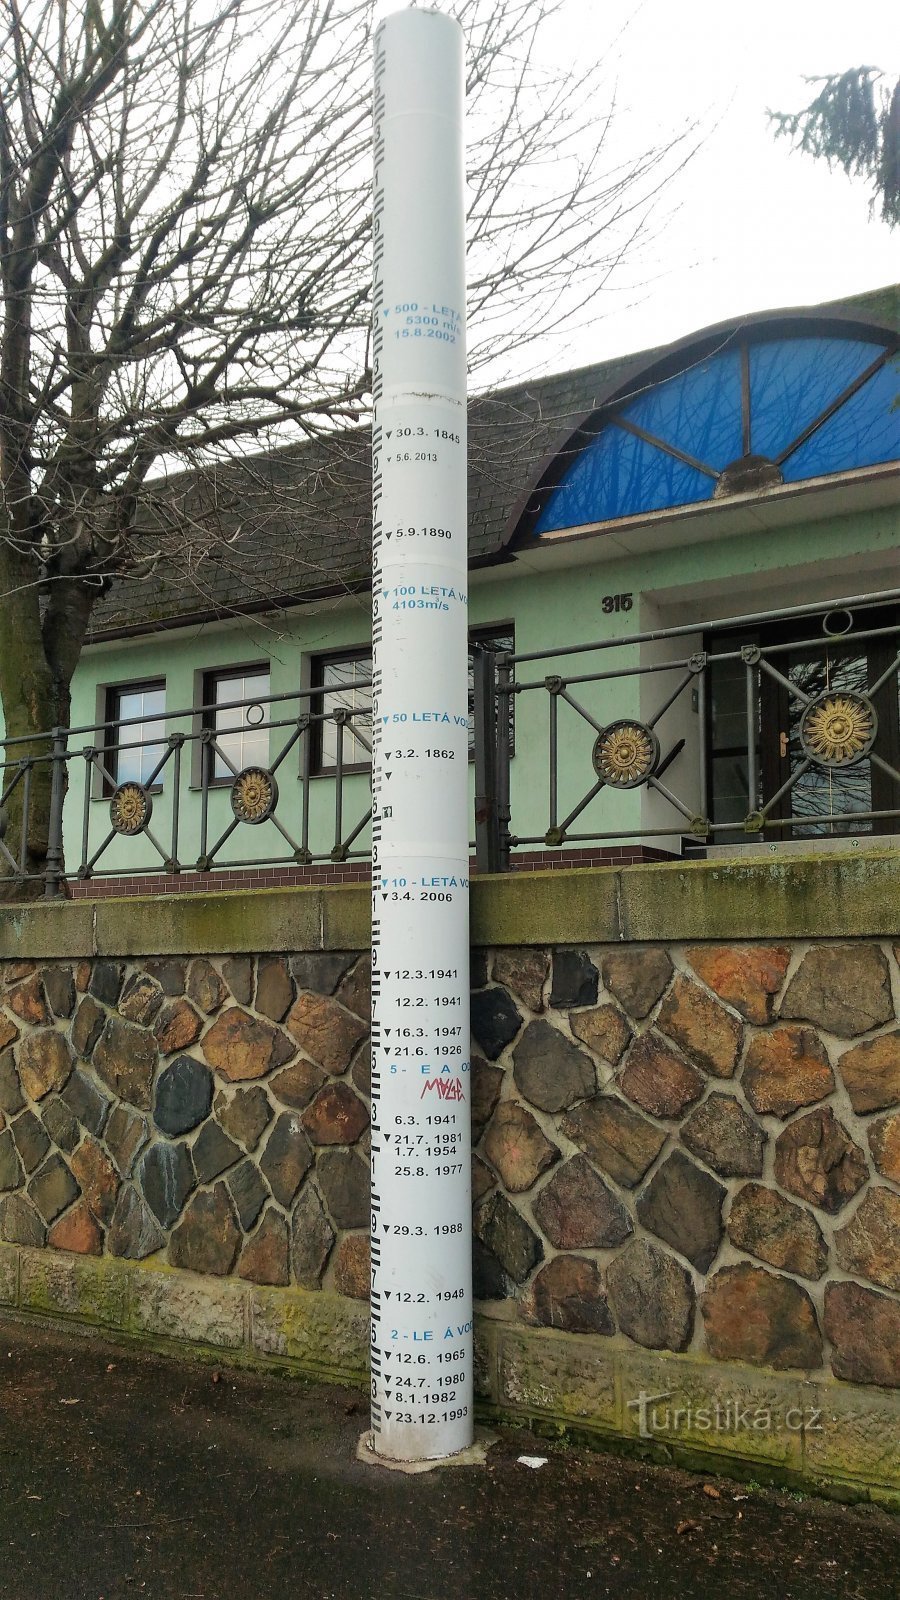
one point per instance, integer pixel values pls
(421, 1207)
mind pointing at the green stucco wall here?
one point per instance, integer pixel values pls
(547, 606)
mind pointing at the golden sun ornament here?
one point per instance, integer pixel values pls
(254, 795)
(625, 754)
(129, 809)
(838, 729)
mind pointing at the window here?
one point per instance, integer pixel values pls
(345, 681)
(755, 413)
(133, 752)
(236, 711)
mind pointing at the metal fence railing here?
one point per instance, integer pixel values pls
(772, 725)
(815, 689)
(173, 797)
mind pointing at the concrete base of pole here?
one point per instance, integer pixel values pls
(474, 1456)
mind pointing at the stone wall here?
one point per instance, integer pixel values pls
(687, 1161)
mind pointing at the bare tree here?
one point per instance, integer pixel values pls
(185, 229)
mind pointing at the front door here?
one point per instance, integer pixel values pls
(813, 691)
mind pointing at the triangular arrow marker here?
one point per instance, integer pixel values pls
(388, 1293)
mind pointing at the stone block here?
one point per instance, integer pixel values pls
(312, 1237)
(487, 1081)
(746, 976)
(206, 988)
(9, 1275)
(816, 1160)
(855, 1435)
(20, 1222)
(336, 1116)
(141, 999)
(97, 1178)
(207, 1238)
(753, 1315)
(266, 1257)
(773, 1229)
(166, 1177)
(884, 1143)
(246, 1115)
(88, 1288)
(682, 1205)
(86, 1102)
(864, 1329)
(134, 1231)
(241, 1046)
(726, 1137)
(356, 990)
(249, 1192)
(709, 1035)
(576, 1210)
(845, 988)
(177, 1027)
(568, 1293)
(495, 1020)
(617, 1138)
(868, 1246)
(351, 1266)
(786, 1069)
(557, 1374)
(45, 1063)
(325, 1031)
(871, 1073)
(637, 978)
(721, 1409)
(549, 1070)
(523, 971)
(508, 1237)
(604, 1030)
(576, 980)
(182, 1096)
(517, 1147)
(324, 1332)
(125, 1058)
(657, 1079)
(652, 1296)
(171, 1305)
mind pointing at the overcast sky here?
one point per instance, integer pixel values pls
(757, 226)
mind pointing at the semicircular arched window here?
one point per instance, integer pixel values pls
(760, 413)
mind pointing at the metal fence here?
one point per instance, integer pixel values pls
(828, 674)
(253, 797)
(777, 724)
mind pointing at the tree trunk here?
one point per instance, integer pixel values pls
(38, 655)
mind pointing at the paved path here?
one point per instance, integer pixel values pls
(125, 1475)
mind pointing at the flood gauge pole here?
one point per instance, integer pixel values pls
(421, 1345)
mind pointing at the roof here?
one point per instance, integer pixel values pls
(269, 531)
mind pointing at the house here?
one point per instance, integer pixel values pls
(676, 511)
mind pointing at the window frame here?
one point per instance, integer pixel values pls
(108, 697)
(313, 664)
(202, 754)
